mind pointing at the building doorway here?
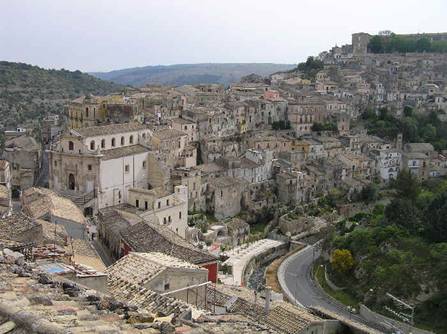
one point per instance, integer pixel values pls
(71, 181)
(88, 212)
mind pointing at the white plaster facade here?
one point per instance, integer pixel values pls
(170, 210)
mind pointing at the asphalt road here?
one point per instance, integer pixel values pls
(298, 279)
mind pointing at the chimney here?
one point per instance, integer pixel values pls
(268, 295)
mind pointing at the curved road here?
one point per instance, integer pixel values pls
(296, 276)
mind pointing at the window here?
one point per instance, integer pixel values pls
(166, 286)
(186, 128)
(164, 220)
(103, 143)
(159, 205)
(169, 219)
(122, 140)
(113, 142)
(126, 168)
(145, 205)
(180, 215)
(131, 140)
(167, 202)
(137, 203)
(55, 163)
(86, 112)
(89, 167)
(70, 146)
(119, 194)
(92, 145)
(144, 164)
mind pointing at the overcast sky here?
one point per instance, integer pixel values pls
(102, 35)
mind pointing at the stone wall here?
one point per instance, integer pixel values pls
(263, 258)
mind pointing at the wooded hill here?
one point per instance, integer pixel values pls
(29, 92)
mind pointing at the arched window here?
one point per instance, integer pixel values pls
(92, 145)
(70, 146)
(103, 143)
(113, 142)
(86, 112)
(122, 140)
(131, 139)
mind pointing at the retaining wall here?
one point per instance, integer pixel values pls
(259, 260)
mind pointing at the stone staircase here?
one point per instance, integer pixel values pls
(80, 199)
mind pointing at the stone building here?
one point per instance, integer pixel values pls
(300, 120)
(271, 141)
(357, 166)
(5, 189)
(238, 231)
(360, 43)
(87, 111)
(255, 166)
(188, 127)
(169, 140)
(96, 166)
(24, 155)
(163, 274)
(192, 179)
(171, 210)
(388, 163)
(147, 236)
(224, 195)
(332, 146)
(416, 159)
(5, 174)
(42, 203)
(293, 187)
(20, 228)
(214, 148)
(51, 128)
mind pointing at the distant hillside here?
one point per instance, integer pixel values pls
(29, 92)
(190, 74)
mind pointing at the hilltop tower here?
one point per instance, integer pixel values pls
(360, 42)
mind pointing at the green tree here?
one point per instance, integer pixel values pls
(375, 44)
(369, 193)
(342, 260)
(428, 133)
(408, 111)
(436, 219)
(310, 68)
(406, 185)
(402, 212)
(423, 45)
